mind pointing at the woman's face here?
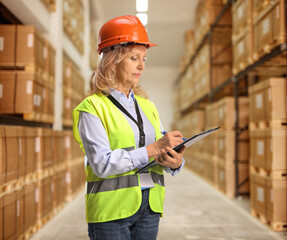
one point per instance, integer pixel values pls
(131, 67)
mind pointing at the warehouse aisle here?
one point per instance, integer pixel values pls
(193, 210)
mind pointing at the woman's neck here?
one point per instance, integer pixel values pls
(125, 89)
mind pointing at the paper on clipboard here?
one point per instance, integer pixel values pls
(186, 143)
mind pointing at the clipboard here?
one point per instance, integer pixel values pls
(187, 143)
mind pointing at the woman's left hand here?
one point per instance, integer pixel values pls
(173, 162)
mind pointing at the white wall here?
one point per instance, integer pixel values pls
(158, 82)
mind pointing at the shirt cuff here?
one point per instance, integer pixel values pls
(139, 157)
(173, 172)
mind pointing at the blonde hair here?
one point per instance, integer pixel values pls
(103, 78)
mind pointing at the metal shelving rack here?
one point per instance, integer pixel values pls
(242, 76)
(235, 80)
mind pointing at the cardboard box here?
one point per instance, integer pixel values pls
(30, 48)
(258, 148)
(10, 215)
(7, 45)
(202, 86)
(48, 143)
(51, 98)
(268, 100)
(28, 93)
(20, 213)
(186, 89)
(258, 194)
(45, 200)
(1, 214)
(257, 96)
(197, 123)
(189, 43)
(60, 189)
(211, 117)
(258, 6)
(226, 178)
(7, 91)
(240, 15)
(269, 27)
(59, 146)
(2, 156)
(206, 13)
(68, 141)
(275, 150)
(226, 146)
(263, 32)
(40, 150)
(209, 168)
(275, 101)
(226, 112)
(67, 107)
(21, 133)
(12, 153)
(242, 45)
(32, 148)
(276, 189)
(49, 60)
(31, 198)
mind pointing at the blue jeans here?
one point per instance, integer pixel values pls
(143, 225)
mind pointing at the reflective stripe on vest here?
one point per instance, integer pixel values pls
(112, 184)
(157, 178)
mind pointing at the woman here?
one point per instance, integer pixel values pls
(119, 131)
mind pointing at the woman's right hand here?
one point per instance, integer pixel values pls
(170, 139)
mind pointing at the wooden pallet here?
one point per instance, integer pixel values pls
(28, 233)
(44, 220)
(242, 65)
(30, 178)
(265, 173)
(11, 186)
(261, 217)
(272, 124)
(44, 173)
(267, 48)
(275, 226)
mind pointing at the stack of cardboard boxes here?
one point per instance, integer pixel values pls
(258, 27)
(73, 89)
(73, 22)
(268, 165)
(27, 75)
(40, 170)
(257, 142)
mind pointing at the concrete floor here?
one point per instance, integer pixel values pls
(193, 210)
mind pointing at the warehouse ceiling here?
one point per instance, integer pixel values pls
(167, 22)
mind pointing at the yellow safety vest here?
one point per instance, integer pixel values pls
(118, 196)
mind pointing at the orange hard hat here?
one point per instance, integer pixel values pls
(121, 31)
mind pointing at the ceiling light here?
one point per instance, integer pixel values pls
(142, 5)
(143, 18)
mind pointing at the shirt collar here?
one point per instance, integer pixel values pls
(119, 95)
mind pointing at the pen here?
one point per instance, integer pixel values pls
(164, 132)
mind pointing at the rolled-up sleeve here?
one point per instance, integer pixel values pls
(104, 161)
